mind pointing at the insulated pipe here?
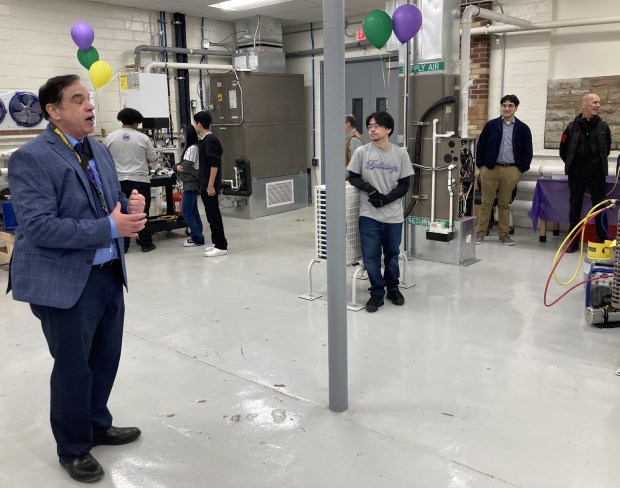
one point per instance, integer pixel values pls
(451, 193)
(436, 138)
(183, 95)
(555, 24)
(434, 166)
(468, 14)
(208, 67)
(137, 52)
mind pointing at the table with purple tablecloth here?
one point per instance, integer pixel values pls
(551, 203)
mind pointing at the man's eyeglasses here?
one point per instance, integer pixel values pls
(374, 126)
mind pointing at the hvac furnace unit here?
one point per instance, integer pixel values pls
(352, 239)
(20, 110)
(260, 117)
(437, 228)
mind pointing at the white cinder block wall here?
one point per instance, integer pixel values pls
(36, 44)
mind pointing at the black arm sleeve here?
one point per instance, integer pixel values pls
(356, 180)
(400, 191)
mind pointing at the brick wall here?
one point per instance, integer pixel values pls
(479, 70)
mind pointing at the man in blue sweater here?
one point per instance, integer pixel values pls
(503, 153)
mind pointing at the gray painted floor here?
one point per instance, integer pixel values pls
(472, 383)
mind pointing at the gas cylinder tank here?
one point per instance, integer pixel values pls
(177, 199)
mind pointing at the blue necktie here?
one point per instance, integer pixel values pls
(90, 174)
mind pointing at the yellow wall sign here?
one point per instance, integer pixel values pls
(123, 80)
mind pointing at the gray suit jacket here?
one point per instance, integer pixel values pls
(59, 231)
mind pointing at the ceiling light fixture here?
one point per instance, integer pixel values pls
(245, 4)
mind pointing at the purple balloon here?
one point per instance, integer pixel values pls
(406, 22)
(83, 35)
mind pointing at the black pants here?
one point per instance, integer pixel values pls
(578, 183)
(145, 238)
(214, 217)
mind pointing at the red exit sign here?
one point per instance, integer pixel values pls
(360, 34)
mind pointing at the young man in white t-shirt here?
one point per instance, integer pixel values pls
(382, 170)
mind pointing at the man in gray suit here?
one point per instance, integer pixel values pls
(67, 263)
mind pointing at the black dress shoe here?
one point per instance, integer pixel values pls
(572, 248)
(115, 436)
(85, 469)
(149, 248)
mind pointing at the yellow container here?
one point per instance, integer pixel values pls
(600, 251)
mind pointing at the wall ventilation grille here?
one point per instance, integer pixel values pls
(280, 193)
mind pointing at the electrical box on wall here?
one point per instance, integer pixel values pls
(148, 94)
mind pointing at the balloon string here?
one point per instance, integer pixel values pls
(96, 106)
(387, 86)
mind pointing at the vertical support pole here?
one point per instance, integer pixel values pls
(333, 127)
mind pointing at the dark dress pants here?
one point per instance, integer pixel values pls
(580, 180)
(85, 342)
(214, 217)
(145, 238)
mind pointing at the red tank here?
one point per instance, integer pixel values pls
(177, 198)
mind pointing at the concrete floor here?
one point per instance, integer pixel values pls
(472, 383)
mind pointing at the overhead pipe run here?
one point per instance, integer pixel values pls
(137, 52)
(555, 24)
(205, 66)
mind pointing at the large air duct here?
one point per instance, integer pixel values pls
(259, 45)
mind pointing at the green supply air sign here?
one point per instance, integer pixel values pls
(437, 66)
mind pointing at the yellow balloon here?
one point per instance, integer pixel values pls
(100, 73)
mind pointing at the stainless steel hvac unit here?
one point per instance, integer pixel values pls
(260, 117)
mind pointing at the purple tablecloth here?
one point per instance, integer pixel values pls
(551, 201)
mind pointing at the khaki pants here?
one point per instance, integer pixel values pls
(500, 181)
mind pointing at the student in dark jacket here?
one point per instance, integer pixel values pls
(584, 148)
(503, 153)
(210, 178)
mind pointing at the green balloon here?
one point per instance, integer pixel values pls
(377, 27)
(87, 58)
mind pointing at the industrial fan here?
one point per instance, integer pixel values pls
(2, 111)
(25, 109)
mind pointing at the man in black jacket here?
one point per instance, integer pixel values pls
(584, 148)
(210, 178)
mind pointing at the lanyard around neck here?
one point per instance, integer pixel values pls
(90, 174)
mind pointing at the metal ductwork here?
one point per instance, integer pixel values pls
(259, 45)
